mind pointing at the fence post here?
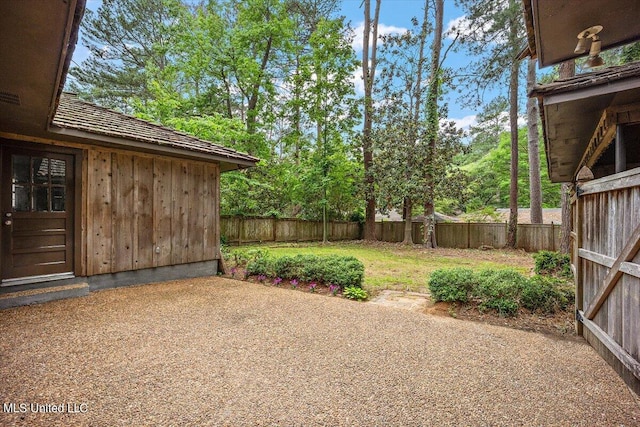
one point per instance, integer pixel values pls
(468, 234)
(274, 224)
(240, 230)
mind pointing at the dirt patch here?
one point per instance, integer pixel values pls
(561, 324)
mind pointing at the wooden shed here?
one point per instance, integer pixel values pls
(592, 138)
(89, 197)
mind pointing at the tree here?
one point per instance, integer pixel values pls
(535, 190)
(495, 35)
(566, 70)
(433, 123)
(369, 63)
(327, 72)
(124, 38)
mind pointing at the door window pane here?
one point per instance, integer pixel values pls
(40, 199)
(21, 198)
(20, 167)
(57, 199)
(58, 171)
(40, 170)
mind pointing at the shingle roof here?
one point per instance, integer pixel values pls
(75, 114)
(587, 80)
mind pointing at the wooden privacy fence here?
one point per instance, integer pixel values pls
(531, 237)
(239, 230)
(466, 235)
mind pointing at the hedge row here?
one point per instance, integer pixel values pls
(343, 271)
(504, 291)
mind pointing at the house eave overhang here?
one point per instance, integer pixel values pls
(553, 26)
(38, 39)
(572, 115)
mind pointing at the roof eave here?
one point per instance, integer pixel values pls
(226, 163)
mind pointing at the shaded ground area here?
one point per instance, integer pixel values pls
(223, 352)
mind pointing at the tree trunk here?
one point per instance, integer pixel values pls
(252, 104)
(535, 186)
(512, 229)
(566, 70)
(428, 232)
(368, 74)
(408, 238)
(565, 229)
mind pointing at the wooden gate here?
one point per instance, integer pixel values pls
(606, 263)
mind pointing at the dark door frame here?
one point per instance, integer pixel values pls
(78, 189)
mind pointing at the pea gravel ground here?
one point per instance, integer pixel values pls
(215, 351)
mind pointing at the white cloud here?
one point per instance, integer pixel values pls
(463, 26)
(465, 122)
(358, 40)
(358, 82)
(457, 25)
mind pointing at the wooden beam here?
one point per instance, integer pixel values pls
(621, 150)
(630, 250)
(629, 113)
(599, 259)
(630, 269)
(602, 136)
(620, 181)
(625, 358)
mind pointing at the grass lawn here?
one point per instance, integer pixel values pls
(393, 266)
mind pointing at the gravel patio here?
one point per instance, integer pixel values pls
(215, 351)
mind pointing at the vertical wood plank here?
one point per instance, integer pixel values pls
(123, 208)
(209, 212)
(195, 232)
(100, 233)
(179, 212)
(144, 249)
(162, 204)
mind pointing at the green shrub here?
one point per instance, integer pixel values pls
(244, 256)
(541, 294)
(261, 266)
(505, 306)
(338, 270)
(553, 264)
(452, 285)
(284, 267)
(311, 268)
(355, 293)
(344, 271)
(500, 290)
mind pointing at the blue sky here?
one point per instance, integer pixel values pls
(395, 16)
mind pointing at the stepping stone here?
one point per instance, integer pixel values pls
(405, 300)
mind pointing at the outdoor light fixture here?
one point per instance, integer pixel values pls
(594, 59)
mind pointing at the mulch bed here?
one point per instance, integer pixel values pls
(560, 324)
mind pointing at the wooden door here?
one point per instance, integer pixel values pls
(37, 214)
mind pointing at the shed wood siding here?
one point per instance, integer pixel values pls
(149, 212)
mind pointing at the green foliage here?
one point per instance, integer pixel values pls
(500, 290)
(355, 293)
(553, 264)
(504, 291)
(490, 179)
(342, 271)
(452, 285)
(546, 295)
(264, 266)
